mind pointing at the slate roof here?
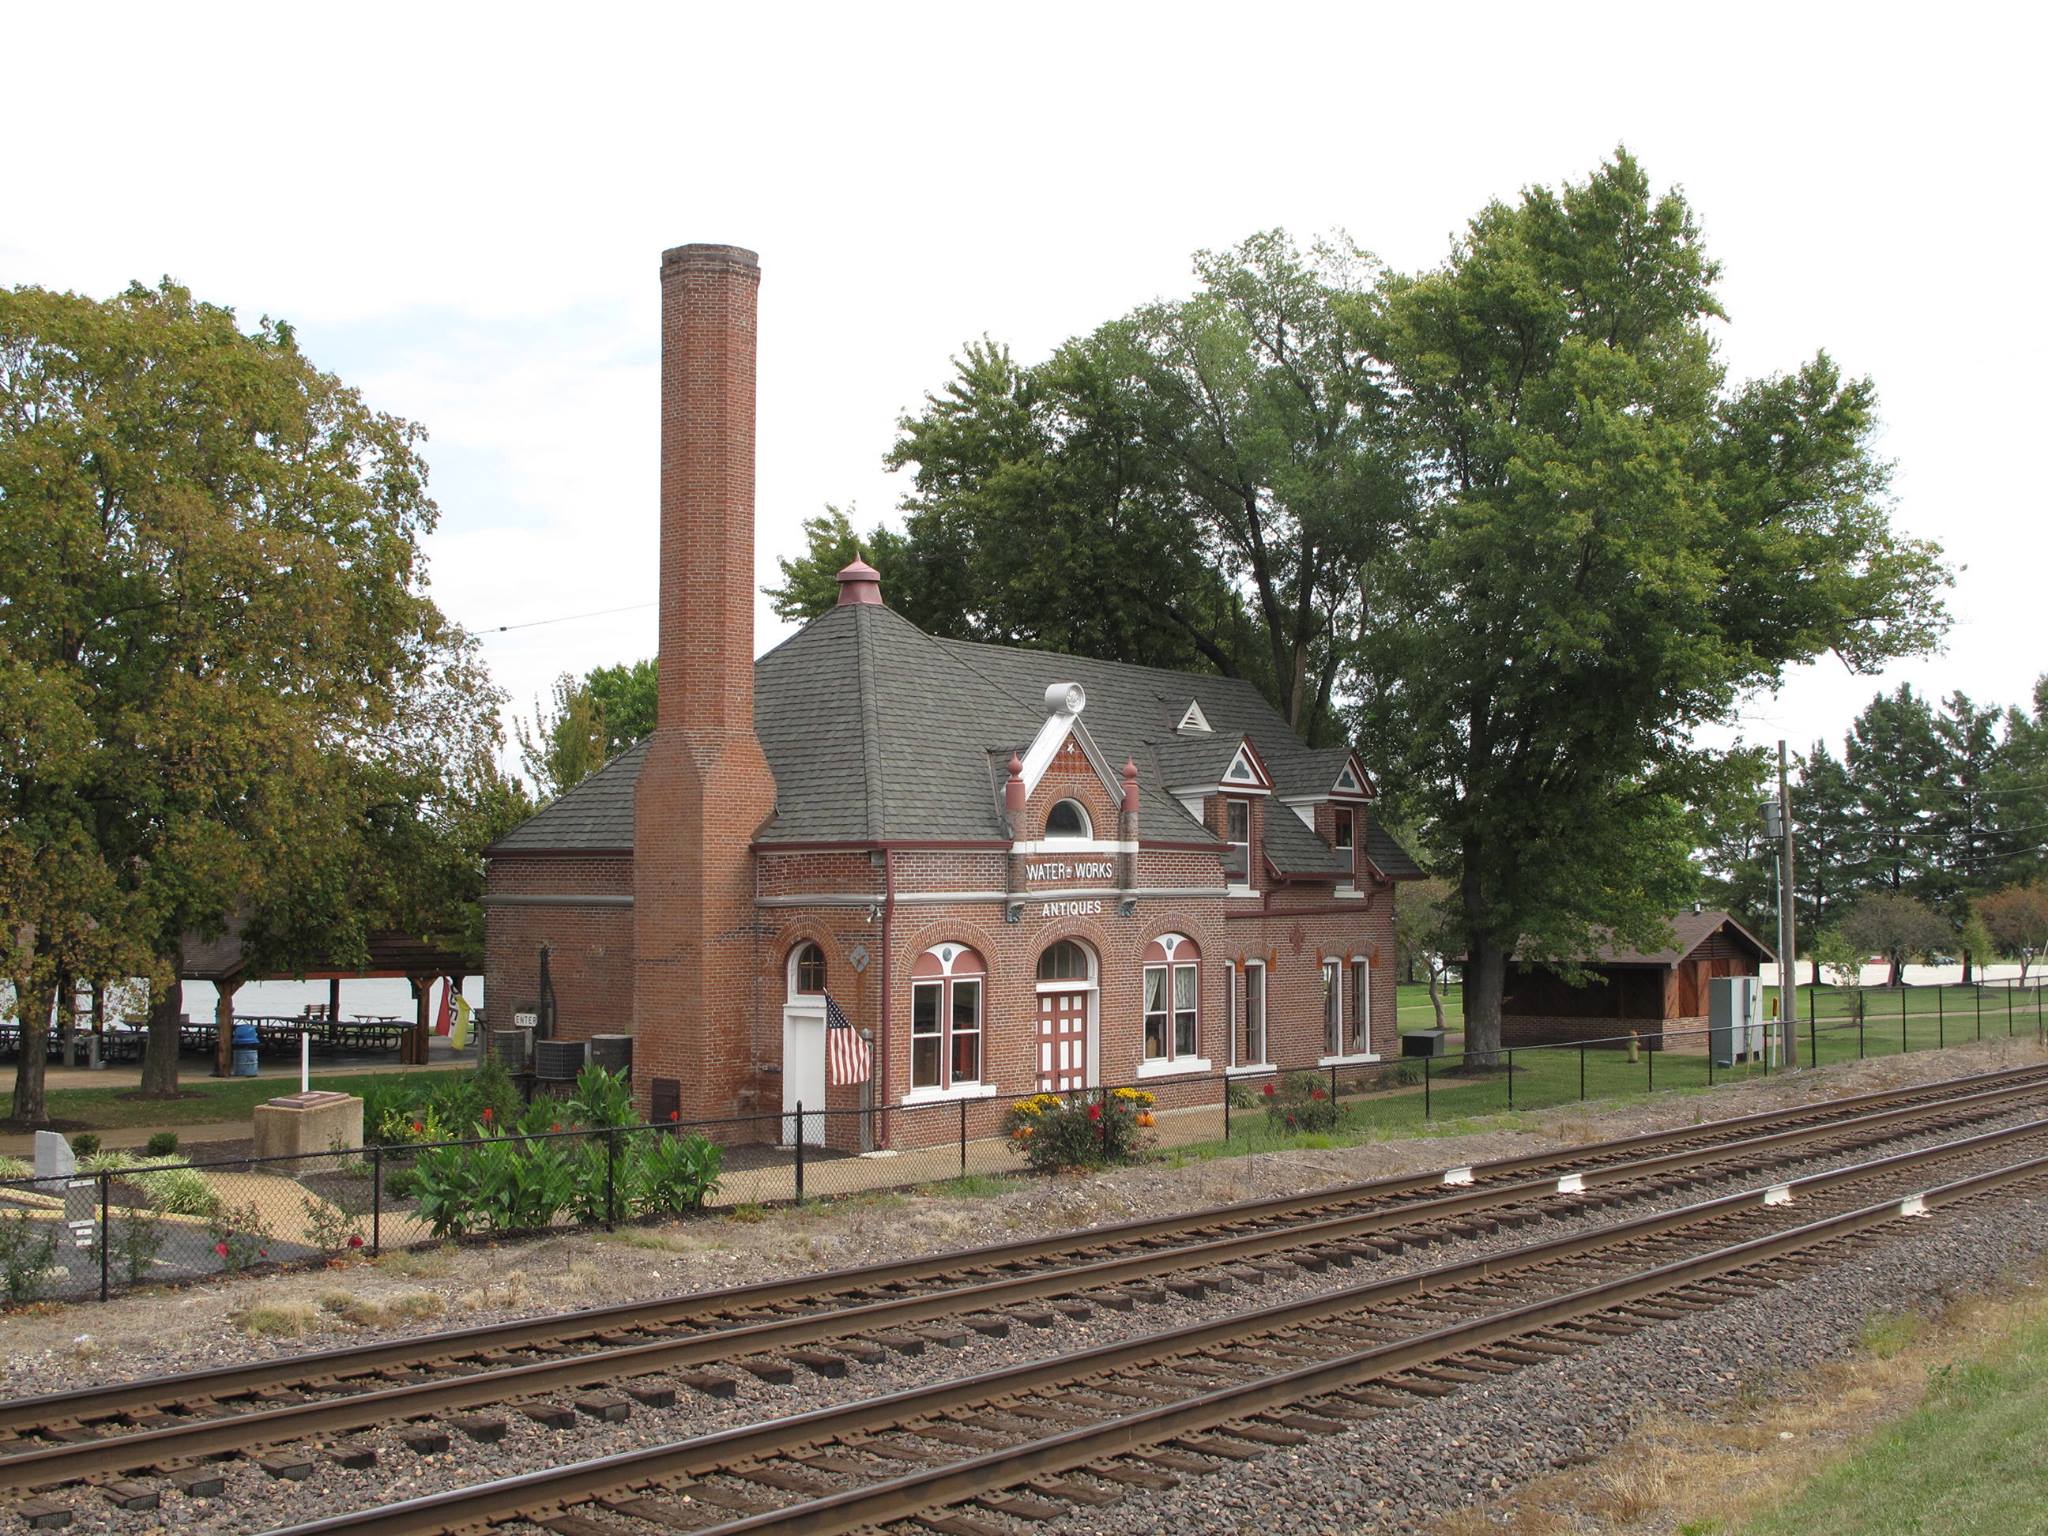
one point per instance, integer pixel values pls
(1295, 850)
(875, 730)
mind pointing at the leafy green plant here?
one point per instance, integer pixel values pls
(600, 1181)
(674, 1173)
(27, 1249)
(241, 1237)
(84, 1144)
(602, 1100)
(174, 1188)
(138, 1237)
(1300, 1102)
(15, 1168)
(162, 1144)
(331, 1227)
(1052, 1133)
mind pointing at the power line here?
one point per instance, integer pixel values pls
(567, 618)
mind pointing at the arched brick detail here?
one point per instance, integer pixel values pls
(805, 929)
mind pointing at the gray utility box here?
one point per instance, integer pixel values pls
(1423, 1042)
(1735, 1019)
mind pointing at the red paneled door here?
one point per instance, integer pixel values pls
(1062, 1041)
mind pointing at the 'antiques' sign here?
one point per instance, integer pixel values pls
(1071, 909)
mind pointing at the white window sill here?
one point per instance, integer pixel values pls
(1239, 890)
(1347, 893)
(1252, 1069)
(1364, 1058)
(1178, 1066)
(947, 1095)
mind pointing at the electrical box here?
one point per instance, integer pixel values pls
(1735, 1019)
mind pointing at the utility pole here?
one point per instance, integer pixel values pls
(1778, 824)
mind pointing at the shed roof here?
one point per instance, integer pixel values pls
(1689, 931)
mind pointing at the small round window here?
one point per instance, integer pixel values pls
(1067, 819)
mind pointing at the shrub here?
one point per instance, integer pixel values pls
(240, 1237)
(331, 1227)
(1052, 1133)
(84, 1144)
(674, 1173)
(174, 1189)
(27, 1249)
(1301, 1102)
(602, 1100)
(162, 1144)
(15, 1168)
(1240, 1096)
(138, 1237)
(501, 1184)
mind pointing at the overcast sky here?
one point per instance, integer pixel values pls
(463, 211)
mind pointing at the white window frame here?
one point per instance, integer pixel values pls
(1341, 816)
(1334, 1039)
(1173, 1061)
(1087, 832)
(1242, 1022)
(1359, 1019)
(1333, 1007)
(948, 1086)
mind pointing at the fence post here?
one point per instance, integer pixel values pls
(799, 1151)
(1940, 1020)
(1425, 1089)
(1226, 1109)
(377, 1198)
(2008, 1013)
(1102, 1116)
(1905, 1045)
(611, 1177)
(1333, 1086)
(1979, 991)
(963, 1136)
(1582, 1074)
(1710, 1059)
(1812, 1042)
(2040, 1023)
(1650, 1066)
(1511, 1079)
(106, 1227)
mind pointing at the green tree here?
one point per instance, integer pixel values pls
(1979, 948)
(1824, 810)
(1613, 545)
(1426, 932)
(2017, 919)
(1895, 761)
(625, 696)
(222, 683)
(588, 721)
(1897, 926)
(2017, 787)
(1834, 952)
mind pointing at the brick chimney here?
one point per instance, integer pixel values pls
(704, 787)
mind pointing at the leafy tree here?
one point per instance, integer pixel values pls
(1824, 810)
(1968, 738)
(1895, 760)
(1897, 926)
(2018, 790)
(1979, 948)
(625, 697)
(589, 722)
(1738, 858)
(224, 692)
(1838, 955)
(1612, 546)
(1426, 920)
(2017, 919)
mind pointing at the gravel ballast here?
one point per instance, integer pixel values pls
(1388, 1476)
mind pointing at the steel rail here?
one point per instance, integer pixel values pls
(334, 1365)
(535, 1495)
(64, 1460)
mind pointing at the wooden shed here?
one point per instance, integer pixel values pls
(1627, 990)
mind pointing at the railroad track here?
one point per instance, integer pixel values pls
(1073, 1434)
(865, 1314)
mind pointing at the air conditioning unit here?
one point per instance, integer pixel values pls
(612, 1052)
(558, 1061)
(512, 1049)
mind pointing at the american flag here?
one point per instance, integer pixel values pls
(846, 1054)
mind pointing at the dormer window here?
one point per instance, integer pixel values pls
(1237, 831)
(1067, 819)
(1340, 828)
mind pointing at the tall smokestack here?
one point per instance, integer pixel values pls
(704, 787)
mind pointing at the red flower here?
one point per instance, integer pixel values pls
(487, 1114)
(675, 1114)
(555, 1127)
(221, 1249)
(1267, 1090)
(1094, 1111)
(355, 1239)
(418, 1126)
(1317, 1093)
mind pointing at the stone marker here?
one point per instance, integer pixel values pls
(296, 1124)
(54, 1159)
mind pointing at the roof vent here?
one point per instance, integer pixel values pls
(859, 583)
(1194, 722)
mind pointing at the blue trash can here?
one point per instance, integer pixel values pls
(245, 1041)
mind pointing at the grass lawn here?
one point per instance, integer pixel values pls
(206, 1099)
(1970, 1461)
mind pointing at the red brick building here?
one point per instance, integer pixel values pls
(1017, 869)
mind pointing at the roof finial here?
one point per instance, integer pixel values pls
(1013, 792)
(1130, 784)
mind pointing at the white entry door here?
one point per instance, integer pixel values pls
(803, 1070)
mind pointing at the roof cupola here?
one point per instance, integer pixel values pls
(859, 583)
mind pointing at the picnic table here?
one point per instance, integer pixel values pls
(279, 1033)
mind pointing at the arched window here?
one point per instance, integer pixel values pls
(807, 970)
(1064, 961)
(1068, 818)
(946, 986)
(1172, 998)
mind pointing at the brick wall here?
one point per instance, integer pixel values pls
(591, 947)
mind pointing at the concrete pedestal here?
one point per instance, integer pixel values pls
(302, 1123)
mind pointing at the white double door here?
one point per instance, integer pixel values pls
(1064, 1039)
